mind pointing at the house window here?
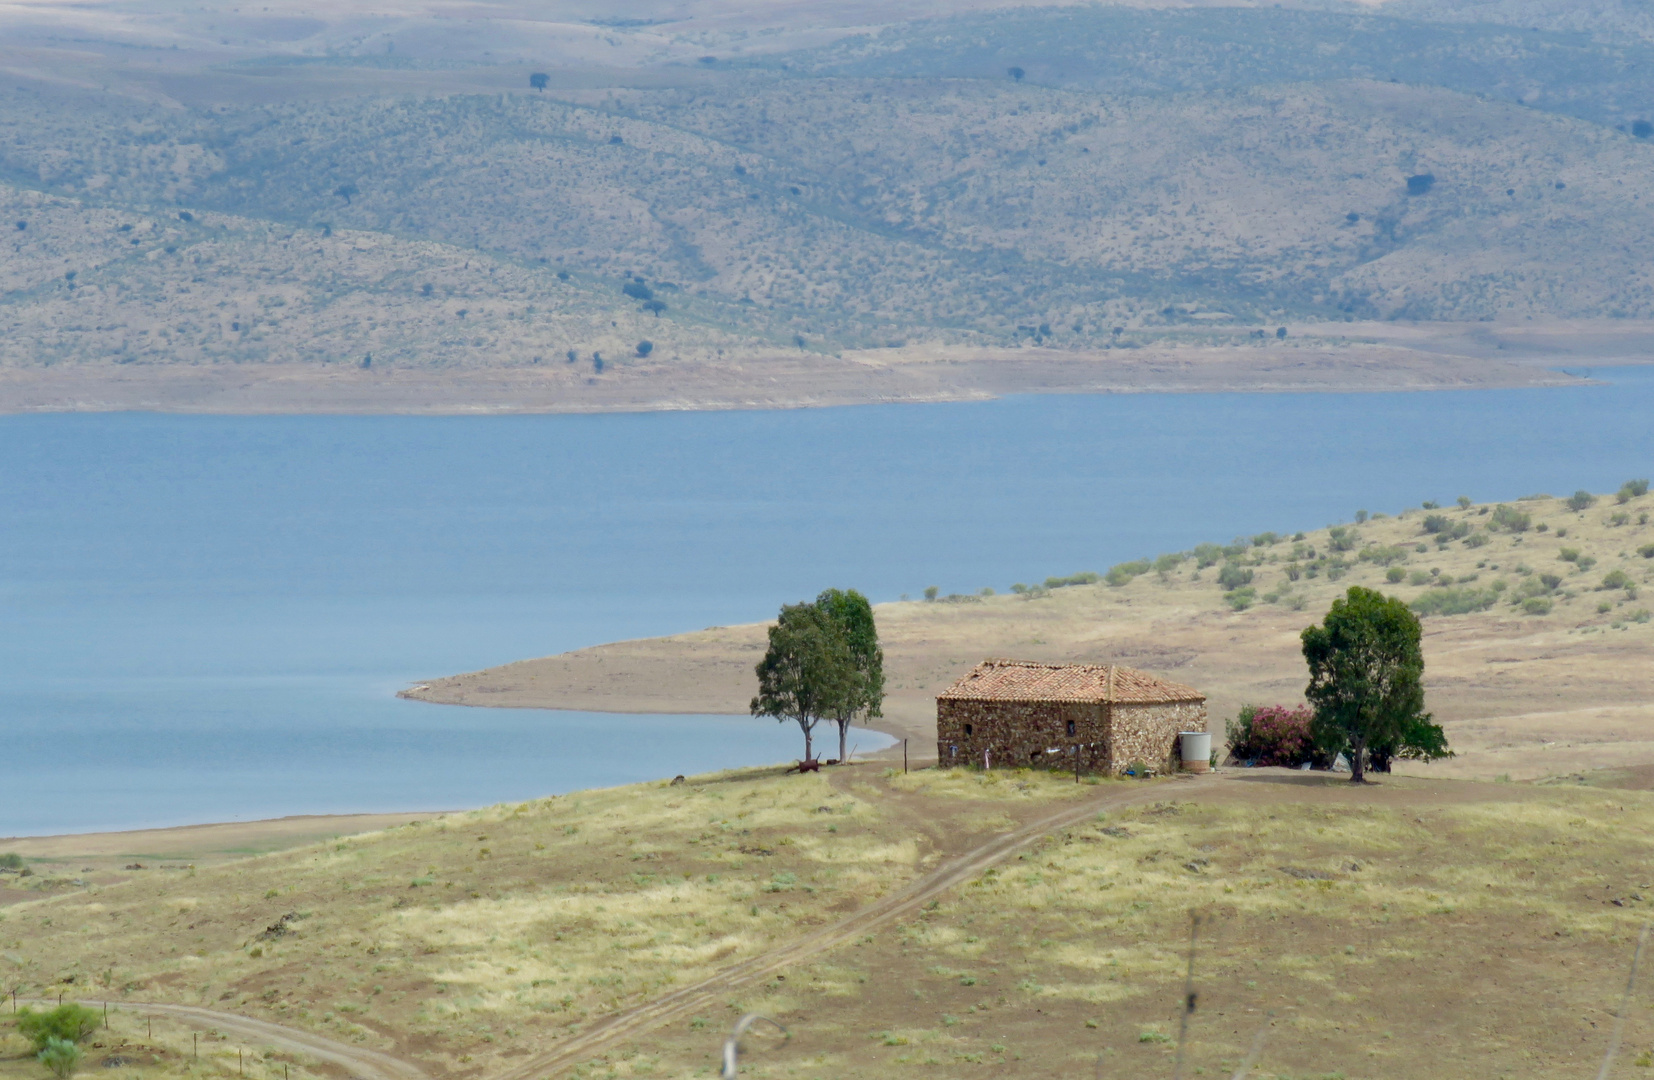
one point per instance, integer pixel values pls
(967, 729)
(1071, 727)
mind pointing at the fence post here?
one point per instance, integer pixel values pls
(904, 756)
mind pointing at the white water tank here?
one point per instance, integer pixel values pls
(1197, 750)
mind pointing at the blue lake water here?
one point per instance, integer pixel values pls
(206, 618)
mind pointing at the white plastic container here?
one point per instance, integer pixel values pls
(1197, 750)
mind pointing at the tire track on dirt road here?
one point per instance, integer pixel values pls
(365, 1064)
(944, 878)
(362, 1063)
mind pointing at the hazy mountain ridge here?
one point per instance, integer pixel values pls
(1156, 171)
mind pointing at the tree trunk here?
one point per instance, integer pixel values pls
(1358, 760)
(843, 728)
(805, 727)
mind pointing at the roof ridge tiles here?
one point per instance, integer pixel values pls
(1006, 679)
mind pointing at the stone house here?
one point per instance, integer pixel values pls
(1022, 713)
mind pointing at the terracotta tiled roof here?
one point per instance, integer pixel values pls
(1026, 680)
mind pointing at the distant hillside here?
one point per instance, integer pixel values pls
(1077, 177)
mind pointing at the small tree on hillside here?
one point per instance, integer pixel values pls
(806, 673)
(852, 613)
(1366, 670)
(538, 80)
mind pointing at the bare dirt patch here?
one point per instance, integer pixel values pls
(761, 382)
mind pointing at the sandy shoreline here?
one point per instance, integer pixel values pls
(797, 381)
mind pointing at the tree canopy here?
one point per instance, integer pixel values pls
(806, 674)
(864, 696)
(1366, 670)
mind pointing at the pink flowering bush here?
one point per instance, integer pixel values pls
(1272, 735)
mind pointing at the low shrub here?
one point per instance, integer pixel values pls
(1206, 555)
(1394, 575)
(1632, 489)
(60, 1056)
(1342, 538)
(1383, 556)
(1087, 577)
(1581, 500)
(1619, 517)
(1512, 519)
(1568, 554)
(1241, 598)
(1616, 579)
(1122, 573)
(11, 860)
(68, 1022)
(1435, 523)
(1271, 735)
(1267, 539)
(1451, 601)
(1233, 576)
(1476, 540)
(1165, 564)
(1537, 605)
(1646, 551)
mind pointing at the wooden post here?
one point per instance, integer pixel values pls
(106, 1014)
(60, 997)
(240, 1067)
(195, 1044)
(149, 1027)
(904, 756)
(1076, 763)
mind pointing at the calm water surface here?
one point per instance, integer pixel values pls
(205, 618)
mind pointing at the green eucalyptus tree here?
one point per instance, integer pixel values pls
(1366, 671)
(852, 613)
(807, 672)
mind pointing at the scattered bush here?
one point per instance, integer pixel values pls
(1233, 576)
(1271, 735)
(1476, 540)
(1604, 607)
(931, 591)
(1550, 581)
(1360, 517)
(1206, 554)
(637, 290)
(1383, 556)
(1292, 571)
(1242, 598)
(1165, 564)
(1641, 615)
(1632, 489)
(1616, 579)
(1464, 502)
(1450, 601)
(61, 1056)
(1435, 523)
(1394, 575)
(1418, 577)
(1568, 554)
(1508, 517)
(1087, 577)
(1122, 573)
(1581, 500)
(1537, 605)
(1619, 517)
(11, 860)
(1342, 538)
(68, 1022)
(644, 348)
(1267, 539)
(1646, 551)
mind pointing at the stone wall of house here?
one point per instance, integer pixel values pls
(1020, 733)
(1148, 733)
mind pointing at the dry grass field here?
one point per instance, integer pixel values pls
(1408, 929)
(1547, 669)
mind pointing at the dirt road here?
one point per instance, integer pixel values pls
(365, 1064)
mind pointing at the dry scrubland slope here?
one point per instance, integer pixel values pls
(1414, 929)
(1544, 667)
(1185, 176)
